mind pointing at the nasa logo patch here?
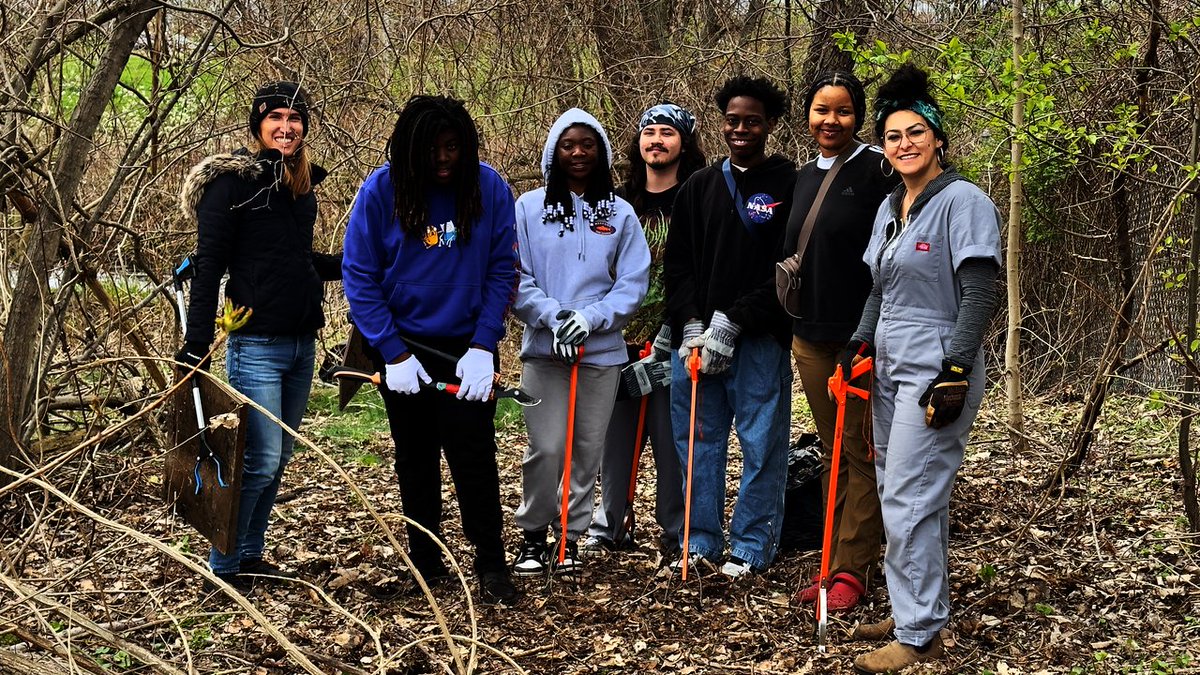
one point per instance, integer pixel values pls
(761, 207)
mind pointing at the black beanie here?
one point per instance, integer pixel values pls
(278, 95)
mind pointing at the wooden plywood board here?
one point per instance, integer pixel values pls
(356, 356)
(214, 510)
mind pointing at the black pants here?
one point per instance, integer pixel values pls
(425, 424)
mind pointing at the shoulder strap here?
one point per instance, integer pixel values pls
(806, 228)
(738, 203)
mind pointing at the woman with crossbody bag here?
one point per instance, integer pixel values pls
(833, 208)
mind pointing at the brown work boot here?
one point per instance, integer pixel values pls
(894, 656)
(873, 632)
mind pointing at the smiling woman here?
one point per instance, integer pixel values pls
(584, 272)
(834, 284)
(255, 212)
(934, 256)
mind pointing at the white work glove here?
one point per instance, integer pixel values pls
(406, 377)
(717, 354)
(662, 344)
(475, 371)
(693, 336)
(574, 328)
(565, 352)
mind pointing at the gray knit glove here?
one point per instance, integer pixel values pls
(717, 355)
(693, 332)
(662, 344)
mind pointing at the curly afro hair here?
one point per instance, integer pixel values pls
(908, 89)
(774, 101)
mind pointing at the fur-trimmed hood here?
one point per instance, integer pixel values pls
(240, 162)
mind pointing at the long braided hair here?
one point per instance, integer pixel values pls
(410, 151)
(600, 187)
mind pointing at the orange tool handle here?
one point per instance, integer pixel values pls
(566, 480)
(694, 374)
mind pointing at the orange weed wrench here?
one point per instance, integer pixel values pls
(693, 366)
(840, 387)
(627, 521)
(566, 480)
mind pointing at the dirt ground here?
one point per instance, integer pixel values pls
(1099, 578)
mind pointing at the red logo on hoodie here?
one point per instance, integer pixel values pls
(602, 227)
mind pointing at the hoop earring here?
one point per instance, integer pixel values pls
(941, 154)
(884, 163)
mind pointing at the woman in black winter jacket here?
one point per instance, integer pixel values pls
(255, 211)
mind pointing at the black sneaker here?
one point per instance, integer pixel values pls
(593, 545)
(261, 566)
(571, 562)
(240, 583)
(434, 576)
(533, 556)
(497, 587)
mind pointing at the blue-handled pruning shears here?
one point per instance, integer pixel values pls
(185, 271)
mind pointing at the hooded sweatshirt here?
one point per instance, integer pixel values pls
(435, 284)
(599, 265)
(713, 262)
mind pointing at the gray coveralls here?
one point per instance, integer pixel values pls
(916, 465)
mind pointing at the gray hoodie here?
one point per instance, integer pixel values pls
(601, 267)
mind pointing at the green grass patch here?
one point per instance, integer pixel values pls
(509, 416)
(356, 431)
(362, 428)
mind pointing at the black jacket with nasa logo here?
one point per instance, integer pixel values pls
(714, 262)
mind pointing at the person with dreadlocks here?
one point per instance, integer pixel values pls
(430, 255)
(584, 272)
(663, 153)
(934, 256)
(255, 212)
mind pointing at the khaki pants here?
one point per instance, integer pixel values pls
(857, 523)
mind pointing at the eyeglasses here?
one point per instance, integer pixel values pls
(916, 135)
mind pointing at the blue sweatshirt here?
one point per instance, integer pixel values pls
(433, 285)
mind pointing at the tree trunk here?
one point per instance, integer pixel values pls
(833, 16)
(1012, 350)
(25, 349)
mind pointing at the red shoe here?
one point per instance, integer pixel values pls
(845, 591)
(809, 594)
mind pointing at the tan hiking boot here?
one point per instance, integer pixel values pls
(873, 632)
(894, 656)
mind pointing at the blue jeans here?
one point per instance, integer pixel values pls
(755, 396)
(274, 371)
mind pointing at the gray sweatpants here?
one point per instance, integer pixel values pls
(542, 467)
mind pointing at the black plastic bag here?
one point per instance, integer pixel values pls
(803, 502)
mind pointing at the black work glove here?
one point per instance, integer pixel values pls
(194, 354)
(853, 352)
(946, 396)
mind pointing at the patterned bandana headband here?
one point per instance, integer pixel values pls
(671, 115)
(922, 108)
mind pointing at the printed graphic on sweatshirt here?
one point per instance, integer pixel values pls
(761, 207)
(602, 227)
(442, 235)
